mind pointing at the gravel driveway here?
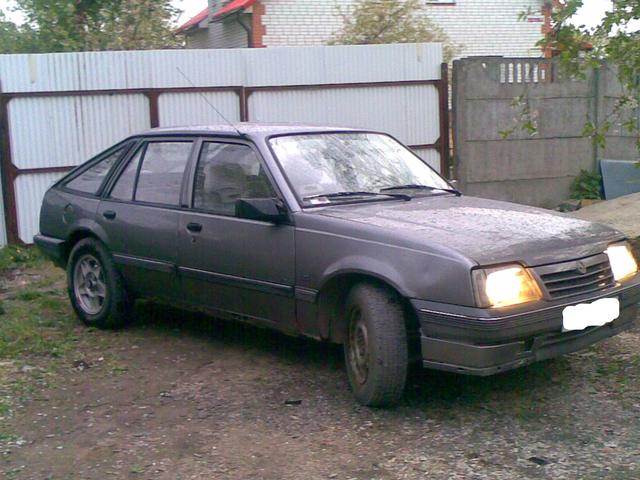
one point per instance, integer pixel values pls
(180, 396)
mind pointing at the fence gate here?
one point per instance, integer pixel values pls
(58, 110)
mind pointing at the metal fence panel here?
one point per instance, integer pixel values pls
(120, 70)
(343, 64)
(429, 155)
(63, 131)
(192, 109)
(408, 112)
(30, 189)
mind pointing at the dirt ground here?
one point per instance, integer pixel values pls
(182, 396)
(621, 213)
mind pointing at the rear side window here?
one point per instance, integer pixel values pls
(123, 189)
(90, 180)
(161, 172)
(159, 178)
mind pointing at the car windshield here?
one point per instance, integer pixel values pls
(330, 167)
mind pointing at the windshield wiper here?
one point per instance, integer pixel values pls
(415, 186)
(358, 194)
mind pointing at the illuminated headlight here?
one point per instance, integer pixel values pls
(503, 286)
(623, 265)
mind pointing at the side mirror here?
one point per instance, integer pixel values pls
(261, 209)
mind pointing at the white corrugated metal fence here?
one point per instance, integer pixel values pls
(58, 110)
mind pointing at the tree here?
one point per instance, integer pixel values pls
(390, 21)
(85, 25)
(15, 39)
(613, 43)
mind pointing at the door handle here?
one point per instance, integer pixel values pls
(109, 214)
(194, 227)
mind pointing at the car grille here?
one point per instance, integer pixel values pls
(577, 277)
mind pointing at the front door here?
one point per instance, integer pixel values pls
(140, 216)
(236, 267)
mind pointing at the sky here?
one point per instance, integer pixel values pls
(191, 8)
(588, 15)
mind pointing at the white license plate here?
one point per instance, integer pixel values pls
(595, 314)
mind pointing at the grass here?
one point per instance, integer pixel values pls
(17, 256)
(37, 325)
(35, 318)
(37, 321)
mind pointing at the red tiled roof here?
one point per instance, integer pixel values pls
(229, 8)
(233, 6)
(193, 22)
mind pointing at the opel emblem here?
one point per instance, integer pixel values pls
(581, 267)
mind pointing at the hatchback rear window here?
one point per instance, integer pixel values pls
(90, 180)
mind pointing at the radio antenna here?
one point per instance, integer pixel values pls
(209, 103)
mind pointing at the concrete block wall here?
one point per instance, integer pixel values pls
(620, 143)
(535, 170)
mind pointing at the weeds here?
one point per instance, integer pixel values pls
(17, 256)
(587, 185)
(37, 325)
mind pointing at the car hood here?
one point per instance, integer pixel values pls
(487, 231)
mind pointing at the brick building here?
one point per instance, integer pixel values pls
(479, 27)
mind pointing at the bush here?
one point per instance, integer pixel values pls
(587, 186)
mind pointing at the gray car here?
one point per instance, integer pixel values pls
(341, 235)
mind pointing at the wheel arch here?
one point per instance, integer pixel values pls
(333, 294)
(80, 232)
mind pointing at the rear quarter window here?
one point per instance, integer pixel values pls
(90, 180)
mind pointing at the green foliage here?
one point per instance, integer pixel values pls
(526, 119)
(86, 25)
(14, 256)
(390, 21)
(586, 186)
(36, 321)
(615, 42)
(15, 39)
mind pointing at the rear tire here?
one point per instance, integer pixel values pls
(375, 347)
(96, 288)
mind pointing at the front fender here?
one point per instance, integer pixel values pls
(361, 265)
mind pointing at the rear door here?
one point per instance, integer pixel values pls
(242, 268)
(140, 215)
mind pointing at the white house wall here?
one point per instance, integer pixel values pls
(481, 27)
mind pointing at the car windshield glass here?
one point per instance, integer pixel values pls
(332, 163)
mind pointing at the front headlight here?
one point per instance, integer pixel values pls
(623, 265)
(503, 286)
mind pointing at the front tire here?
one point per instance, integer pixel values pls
(96, 289)
(375, 347)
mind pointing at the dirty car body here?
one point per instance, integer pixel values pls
(336, 234)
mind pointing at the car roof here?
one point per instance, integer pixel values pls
(249, 129)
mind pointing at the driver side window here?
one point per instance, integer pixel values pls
(225, 173)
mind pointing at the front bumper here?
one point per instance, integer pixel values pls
(481, 342)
